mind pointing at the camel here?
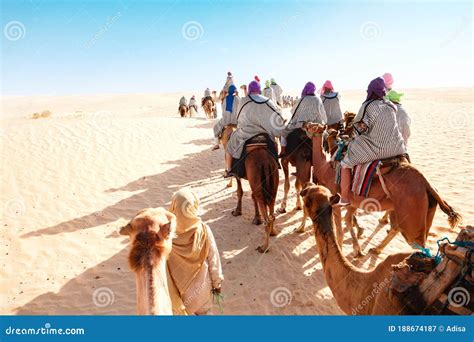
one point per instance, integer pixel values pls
(412, 202)
(209, 107)
(301, 159)
(244, 89)
(262, 175)
(357, 292)
(151, 232)
(183, 111)
(224, 139)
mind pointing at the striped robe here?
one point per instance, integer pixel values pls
(307, 109)
(268, 92)
(183, 101)
(277, 92)
(227, 117)
(332, 107)
(404, 122)
(382, 138)
(257, 114)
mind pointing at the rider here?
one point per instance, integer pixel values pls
(182, 102)
(403, 119)
(331, 104)
(230, 106)
(268, 91)
(378, 135)
(257, 114)
(277, 91)
(308, 109)
(228, 82)
(192, 103)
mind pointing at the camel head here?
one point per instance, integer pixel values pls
(315, 128)
(318, 202)
(151, 232)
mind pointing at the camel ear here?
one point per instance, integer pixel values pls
(168, 229)
(126, 230)
(306, 187)
(335, 199)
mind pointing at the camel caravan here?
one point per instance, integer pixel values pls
(344, 162)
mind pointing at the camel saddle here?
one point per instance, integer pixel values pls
(258, 141)
(298, 139)
(389, 164)
(431, 285)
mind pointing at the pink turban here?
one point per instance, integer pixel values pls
(388, 79)
(327, 86)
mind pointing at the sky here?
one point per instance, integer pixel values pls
(102, 47)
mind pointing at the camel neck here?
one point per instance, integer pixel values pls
(152, 290)
(342, 277)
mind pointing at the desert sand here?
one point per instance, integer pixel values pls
(70, 180)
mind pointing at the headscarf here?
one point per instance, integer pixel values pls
(388, 79)
(256, 78)
(272, 80)
(229, 73)
(254, 88)
(376, 89)
(309, 89)
(267, 84)
(229, 99)
(191, 245)
(327, 86)
(393, 96)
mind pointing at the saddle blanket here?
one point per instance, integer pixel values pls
(362, 177)
(238, 165)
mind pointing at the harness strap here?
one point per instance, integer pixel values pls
(382, 182)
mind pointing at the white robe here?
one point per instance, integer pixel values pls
(278, 92)
(228, 118)
(404, 122)
(257, 114)
(332, 107)
(307, 109)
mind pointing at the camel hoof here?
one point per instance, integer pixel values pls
(273, 233)
(229, 185)
(383, 221)
(257, 221)
(360, 233)
(359, 254)
(261, 249)
(281, 210)
(236, 212)
(299, 230)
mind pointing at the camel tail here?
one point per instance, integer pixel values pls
(454, 218)
(267, 185)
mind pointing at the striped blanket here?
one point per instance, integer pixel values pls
(362, 177)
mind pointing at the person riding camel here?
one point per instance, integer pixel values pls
(257, 114)
(228, 82)
(388, 80)
(403, 119)
(268, 91)
(377, 135)
(230, 106)
(207, 93)
(277, 92)
(331, 104)
(182, 102)
(308, 109)
(192, 103)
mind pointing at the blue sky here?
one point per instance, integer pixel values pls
(88, 47)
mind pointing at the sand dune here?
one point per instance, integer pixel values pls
(70, 180)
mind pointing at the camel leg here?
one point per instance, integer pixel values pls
(348, 219)
(303, 175)
(271, 210)
(285, 166)
(394, 229)
(240, 193)
(360, 230)
(257, 219)
(268, 223)
(302, 226)
(338, 220)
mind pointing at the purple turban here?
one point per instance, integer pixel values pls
(376, 89)
(254, 88)
(309, 89)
